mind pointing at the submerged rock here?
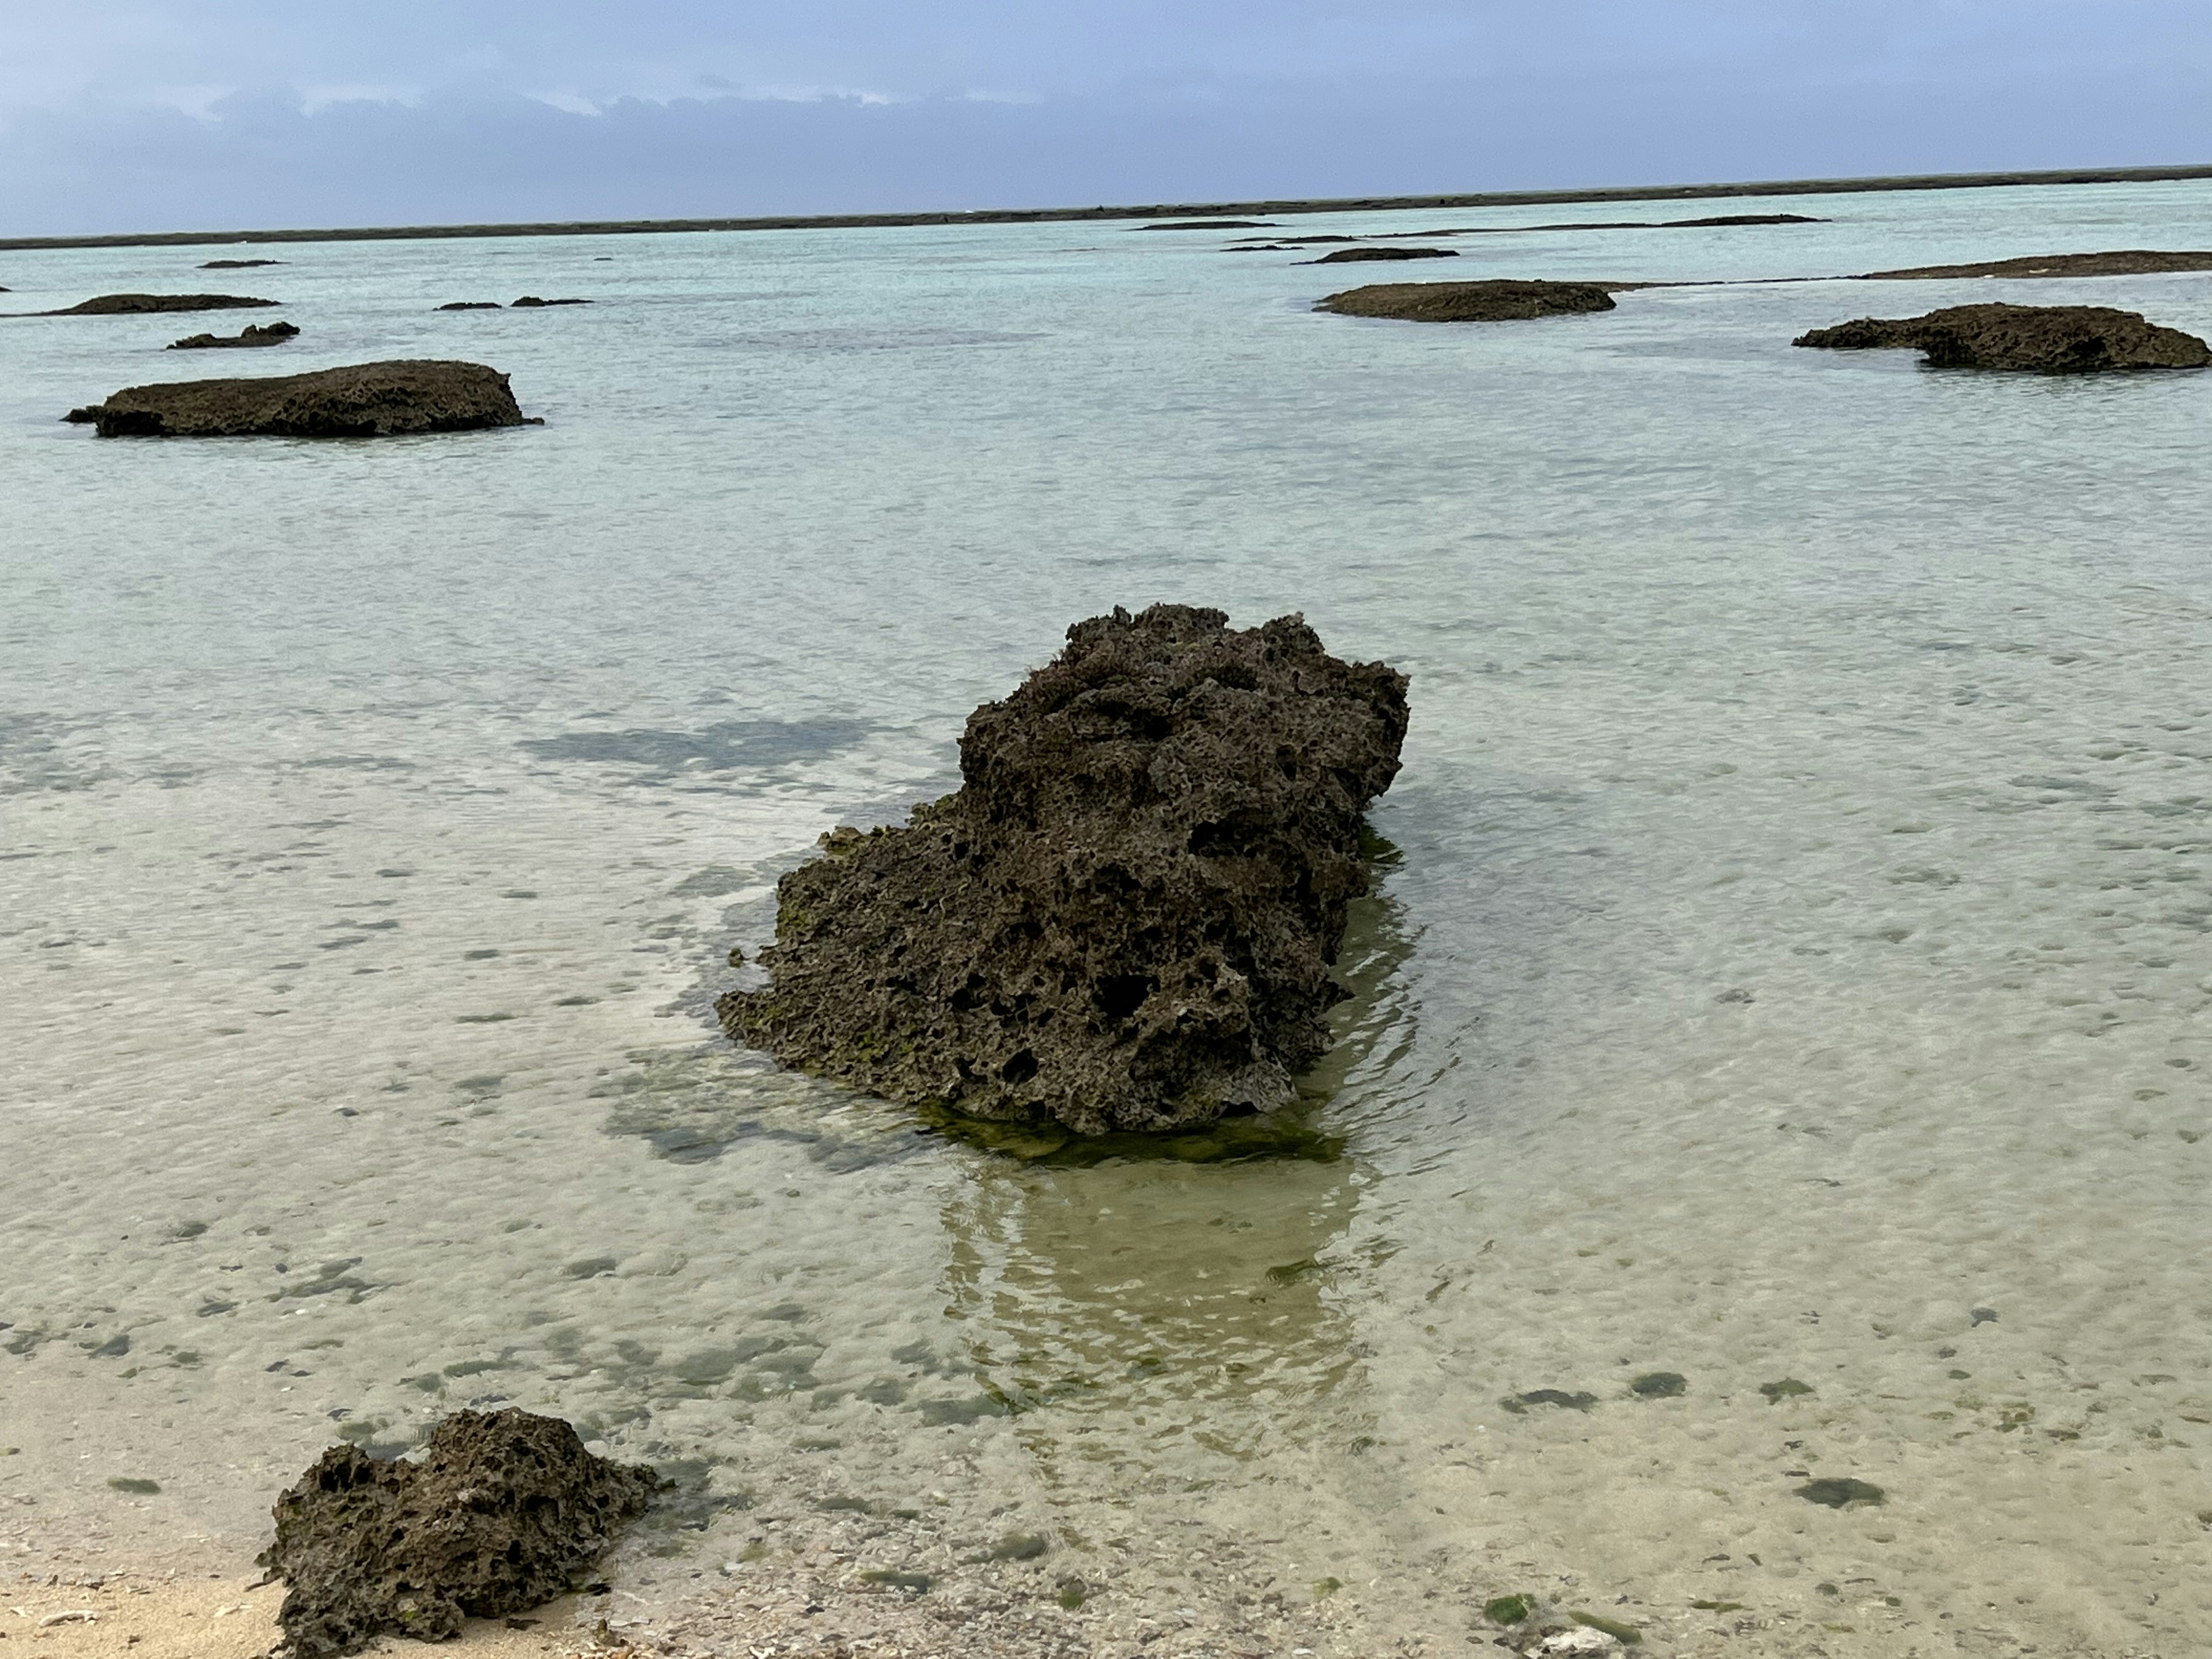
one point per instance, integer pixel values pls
(2029, 339)
(239, 264)
(504, 1510)
(126, 305)
(1498, 300)
(472, 305)
(367, 400)
(1124, 918)
(252, 335)
(532, 302)
(2119, 262)
(1349, 256)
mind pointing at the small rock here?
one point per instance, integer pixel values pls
(2022, 339)
(1498, 300)
(274, 334)
(1353, 256)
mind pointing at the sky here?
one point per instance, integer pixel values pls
(143, 115)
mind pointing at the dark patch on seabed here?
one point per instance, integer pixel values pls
(31, 762)
(726, 747)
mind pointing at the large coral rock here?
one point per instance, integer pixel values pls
(1125, 917)
(1499, 300)
(505, 1511)
(367, 400)
(132, 305)
(2031, 339)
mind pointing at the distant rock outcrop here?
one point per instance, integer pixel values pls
(2125, 262)
(2029, 339)
(531, 302)
(1353, 256)
(503, 1511)
(472, 305)
(1124, 919)
(239, 264)
(128, 305)
(363, 401)
(252, 335)
(1500, 301)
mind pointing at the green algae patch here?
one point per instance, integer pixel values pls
(1660, 1385)
(1325, 1588)
(1627, 1635)
(1837, 1494)
(914, 1583)
(1789, 1386)
(137, 1488)
(1506, 1609)
(1020, 1546)
(1718, 1607)
(1073, 1592)
(1230, 1141)
(1518, 1404)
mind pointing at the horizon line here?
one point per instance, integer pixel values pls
(1157, 210)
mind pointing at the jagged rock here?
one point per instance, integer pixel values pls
(504, 1510)
(126, 305)
(1124, 918)
(366, 400)
(1350, 256)
(252, 335)
(2029, 339)
(2119, 262)
(1499, 300)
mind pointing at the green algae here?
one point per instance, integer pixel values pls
(1660, 1385)
(1020, 1546)
(136, 1487)
(1230, 1140)
(1325, 1588)
(1506, 1609)
(1838, 1493)
(913, 1582)
(1775, 1393)
(1073, 1592)
(1718, 1607)
(1518, 1404)
(1627, 1635)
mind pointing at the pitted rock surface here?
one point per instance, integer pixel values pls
(1493, 301)
(365, 400)
(1124, 918)
(2030, 339)
(504, 1511)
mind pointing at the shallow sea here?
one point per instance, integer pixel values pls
(1793, 970)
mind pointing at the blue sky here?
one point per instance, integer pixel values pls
(159, 114)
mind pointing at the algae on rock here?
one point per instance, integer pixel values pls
(1124, 919)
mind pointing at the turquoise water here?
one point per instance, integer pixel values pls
(1797, 942)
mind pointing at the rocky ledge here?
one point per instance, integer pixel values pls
(1499, 300)
(503, 1511)
(1351, 255)
(367, 400)
(2120, 262)
(252, 335)
(239, 264)
(2028, 339)
(1124, 919)
(129, 305)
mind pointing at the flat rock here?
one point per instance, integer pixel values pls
(1124, 919)
(1350, 256)
(472, 305)
(2124, 261)
(126, 305)
(252, 335)
(532, 302)
(502, 1511)
(239, 264)
(367, 400)
(1209, 224)
(2026, 339)
(1498, 300)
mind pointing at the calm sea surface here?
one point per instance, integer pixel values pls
(1794, 971)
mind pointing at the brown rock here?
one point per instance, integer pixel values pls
(531, 302)
(274, 334)
(503, 1512)
(1123, 920)
(126, 305)
(366, 400)
(2028, 339)
(1350, 256)
(1493, 301)
(472, 305)
(239, 264)
(2125, 262)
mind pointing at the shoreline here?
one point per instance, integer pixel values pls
(1158, 210)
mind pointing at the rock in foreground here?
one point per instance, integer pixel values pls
(368, 400)
(1499, 300)
(1124, 918)
(128, 305)
(2028, 339)
(251, 335)
(504, 1511)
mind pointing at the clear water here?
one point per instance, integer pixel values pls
(1799, 941)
